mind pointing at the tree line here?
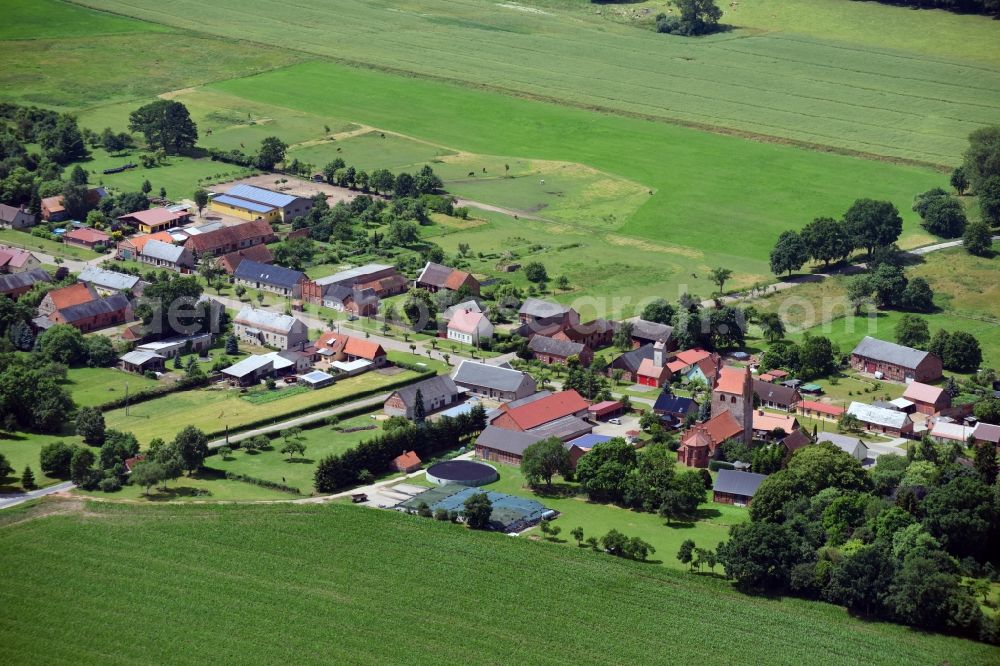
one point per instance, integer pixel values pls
(892, 543)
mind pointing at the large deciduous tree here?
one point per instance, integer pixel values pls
(543, 460)
(789, 253)
(827, 240)
(873, 223)
(166, 124)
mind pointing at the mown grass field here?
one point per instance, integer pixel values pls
(802, 87)
(329, 584)
(90, 387)
(213, 409)
(297, 472)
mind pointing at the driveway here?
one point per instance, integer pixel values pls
(7, 501)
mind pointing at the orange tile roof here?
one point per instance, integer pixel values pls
(233, 235)
(406, 460)
(455, 280)
(714, 431)
(363, 348)
(821, 407)
(918, 392)
(139, 242)
(75, 294)
(53, 204)
(87, 235)
(731, 380)
(648, 369)
(547, 409)
(153, 216)
(768, 421)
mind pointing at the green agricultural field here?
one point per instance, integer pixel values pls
(707, 187)
(212, 410)
(278, 577)
(298, 472)
(50, 19)
(90, 387)
(808, 88)
(67, 57)
(708, 531)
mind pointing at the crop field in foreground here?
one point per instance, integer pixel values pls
(328, 584)
(807, 88)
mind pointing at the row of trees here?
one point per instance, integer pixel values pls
(372, 457)
(893, 543)
(382, 181)
(868, 224)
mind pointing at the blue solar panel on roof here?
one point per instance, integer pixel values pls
(243, 203)
(252, 193)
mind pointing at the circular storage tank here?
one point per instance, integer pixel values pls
(464, 472)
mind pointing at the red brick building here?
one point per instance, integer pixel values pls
(895, 362)
(230, 239)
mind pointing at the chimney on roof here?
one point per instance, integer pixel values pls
(659, 353)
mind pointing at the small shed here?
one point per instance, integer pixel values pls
(811, 389)
(316, 379)
(738, 488)
(406, 462)
(605, 410)
(140, 362)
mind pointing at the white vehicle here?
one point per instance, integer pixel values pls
(615, 421)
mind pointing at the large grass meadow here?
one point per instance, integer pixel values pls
(344, 584)
(815, 88)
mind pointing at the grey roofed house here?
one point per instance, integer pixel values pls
(432, 390)
(890, 352)
(630, 360)
(650, 330)
(13, 281)
(852, 446)
(472, 305)
(138, 357)
(471, 373)
(494, 413)
(565, 428)
(352, 274)
(508, 441)
(731, 482)
(278, 276)
(249, 365)
(112, 280)
(155, 249)
(112, 303)
(434, 274)
(543, 345)
(273, 321)
(16, 218)
(777, 394)
(539, 309)
(878, 416)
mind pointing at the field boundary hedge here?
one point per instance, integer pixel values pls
(264, 483)
(153, 393)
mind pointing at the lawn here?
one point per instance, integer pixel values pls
(298, 472)
(711, 528)
(21, 450)
(821, 88)
(265, 583)
(44, 245)
(215, 409)
(90, 387)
